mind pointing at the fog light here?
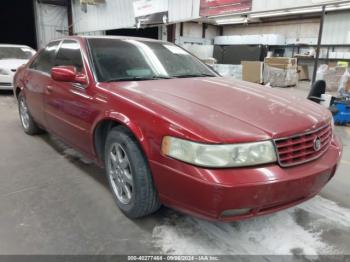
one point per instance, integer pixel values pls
(235, 212)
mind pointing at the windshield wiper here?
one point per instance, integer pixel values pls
(137, 78)
(193, 75)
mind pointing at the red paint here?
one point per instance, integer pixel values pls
(220, 7)
(209, 110)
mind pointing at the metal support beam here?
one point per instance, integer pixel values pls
(319, 40)
(171, 33)
(70, 18)
(221, 30)
(204, 29)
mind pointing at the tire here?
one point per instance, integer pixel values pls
(128, 174)
(27, 121)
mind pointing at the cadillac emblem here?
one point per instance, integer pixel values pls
(317, 144)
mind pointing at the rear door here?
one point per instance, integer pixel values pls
(37, 79)
(69, 106)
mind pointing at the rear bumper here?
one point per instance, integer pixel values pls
(207, 193)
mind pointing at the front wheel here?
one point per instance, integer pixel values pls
(128, 174)
(27, 121)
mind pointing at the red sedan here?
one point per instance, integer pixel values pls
(169, 130)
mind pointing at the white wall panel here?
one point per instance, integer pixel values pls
(293, 30)
(192, 30)
(112, 14)
(336, 29)
(211, 32)
(51, 23)
(182, 10)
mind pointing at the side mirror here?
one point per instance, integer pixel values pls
(68, 74)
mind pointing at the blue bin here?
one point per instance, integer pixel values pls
(342, 117)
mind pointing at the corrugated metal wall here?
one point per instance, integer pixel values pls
(116, 14)
(336, 28)
(51, 22)
(110, 15)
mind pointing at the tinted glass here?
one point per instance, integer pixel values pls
(129, 59)
(69, 55)
(45, 60)
(24, 52)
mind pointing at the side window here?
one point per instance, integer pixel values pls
(69, 55)
(44, 61)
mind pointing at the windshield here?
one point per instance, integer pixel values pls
(9, 52)
(129, 59)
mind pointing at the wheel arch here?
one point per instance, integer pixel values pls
(103, 126)
(17, 91)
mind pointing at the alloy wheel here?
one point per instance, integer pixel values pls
(24, 113)
(120, 173)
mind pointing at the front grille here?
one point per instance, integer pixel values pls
(5, 84)
(300, 148)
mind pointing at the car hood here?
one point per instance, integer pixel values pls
(12, 63)
(232, 110)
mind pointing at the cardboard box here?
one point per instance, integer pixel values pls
(303, 72)
(278, 77)
(280, 71)
(332, 64)
(252, 71)
(281, 61)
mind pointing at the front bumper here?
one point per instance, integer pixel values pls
(6, 82)
(6, 86)
(208, 193)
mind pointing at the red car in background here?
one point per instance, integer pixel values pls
(169, 130)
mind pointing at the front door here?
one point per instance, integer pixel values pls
(37, 79)
(68, 106)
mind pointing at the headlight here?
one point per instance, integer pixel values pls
(209, 155)
(3, 72)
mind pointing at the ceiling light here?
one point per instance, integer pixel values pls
(308, 10)
(268, 14)
(338, 7)
(235, 20)
(301, 11)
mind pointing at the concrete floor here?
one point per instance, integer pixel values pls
(52, 201)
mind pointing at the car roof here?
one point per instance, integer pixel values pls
(108, 37)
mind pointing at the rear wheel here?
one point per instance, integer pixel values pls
(128, 174)
(27, 121)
